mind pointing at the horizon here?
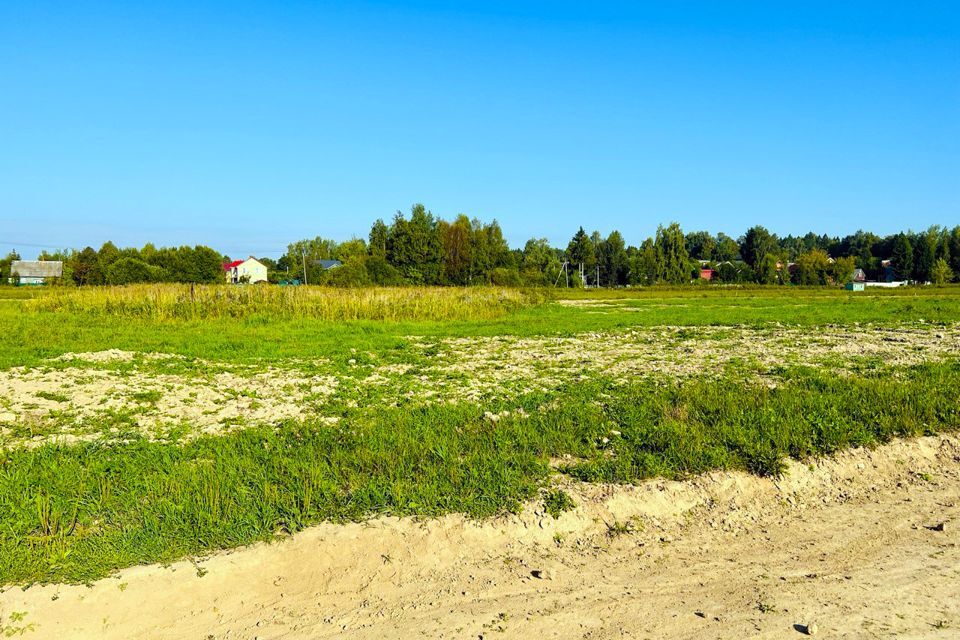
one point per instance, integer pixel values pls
(247, 127)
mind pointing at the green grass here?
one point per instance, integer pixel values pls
(32, 335)
(79, 512)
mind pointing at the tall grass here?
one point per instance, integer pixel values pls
(177, 301)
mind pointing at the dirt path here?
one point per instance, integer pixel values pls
(849, 543)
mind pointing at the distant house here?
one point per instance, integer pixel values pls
(706, 273)
(859, 275)
(250, 270)
(35, 272)
(328, 264)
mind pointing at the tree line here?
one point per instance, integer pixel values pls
(112, 265)
(424, 249)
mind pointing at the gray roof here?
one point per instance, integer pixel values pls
(36, 268)
(328, 264)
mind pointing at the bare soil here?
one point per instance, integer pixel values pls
(864, 545)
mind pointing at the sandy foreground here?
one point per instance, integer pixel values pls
(853, 544)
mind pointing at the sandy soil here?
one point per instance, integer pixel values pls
(850, 544)
(88, 396)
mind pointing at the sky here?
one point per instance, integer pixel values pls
(248, 125)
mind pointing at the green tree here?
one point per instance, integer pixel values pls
(378, 239)
(644, 267)
(613, 260)
(5, 263)
(755, 244)
(953, 243)
(457, 239)
(767, 270)
(941, 273)
(701, 245)
(925, 253)
(673, 262)
(902, 256)
(382, 273)
(539, 264)
(727, 249)
(127, 270)
(580, 251)
(841, 270)
(86, 268)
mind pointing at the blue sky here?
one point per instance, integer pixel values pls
(246, 125)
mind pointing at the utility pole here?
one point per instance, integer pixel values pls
(303, 254)
(562, 272)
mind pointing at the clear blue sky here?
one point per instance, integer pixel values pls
(246, 125)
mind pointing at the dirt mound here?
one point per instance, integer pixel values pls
(863, 544)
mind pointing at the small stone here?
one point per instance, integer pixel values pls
(940, 526)
(811, 629)
(542, 574)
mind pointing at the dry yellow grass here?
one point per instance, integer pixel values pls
(167, 301)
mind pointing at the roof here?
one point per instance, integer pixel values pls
(328, 264)
(37, 268)
(233, 265)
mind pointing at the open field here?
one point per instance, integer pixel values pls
(143, 425)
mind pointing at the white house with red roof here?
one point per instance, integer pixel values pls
(250, 270)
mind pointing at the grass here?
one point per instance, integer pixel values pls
(79, 512)
(556, 501)
(82, 511)
(177, 301)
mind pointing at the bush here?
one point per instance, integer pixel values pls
(132, 270)
(505, 277)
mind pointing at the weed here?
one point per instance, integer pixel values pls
(52, 396)
(556, 501)
(616, 528)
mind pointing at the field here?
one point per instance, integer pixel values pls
(151, 424)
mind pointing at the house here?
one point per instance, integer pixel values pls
(250, 270)
(855, 286)
(328, 264)
(706, 273)
(35, 272)
(859, 275)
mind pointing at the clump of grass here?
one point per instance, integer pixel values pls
(617, 528)
(173, 301)
(556, 501)
(52, 396)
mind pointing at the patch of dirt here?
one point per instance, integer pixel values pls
(853, 544)
(481, 366)
(73, 403)
(71, 398)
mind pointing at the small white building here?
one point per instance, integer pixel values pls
(24, 272)
(250, 270)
